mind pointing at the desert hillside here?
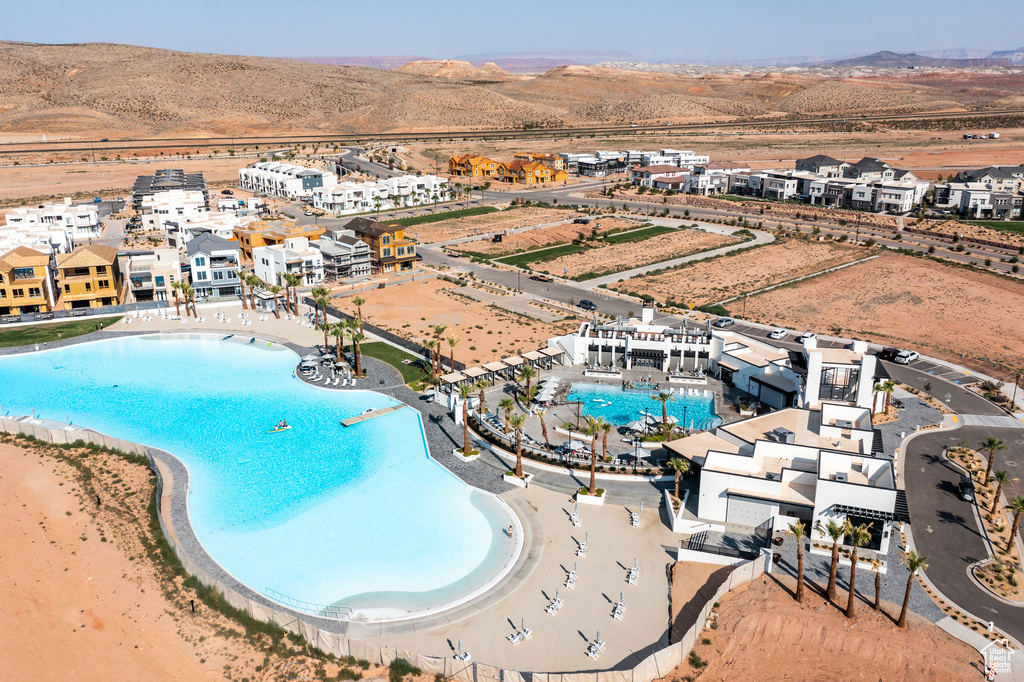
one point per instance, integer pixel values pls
(88, 89)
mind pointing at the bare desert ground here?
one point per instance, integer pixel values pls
(712, 280)
(483, 224)
(618, 257)
(80, 596)
(764, 634)
(972, 318)
(546, 236)
(485, 332)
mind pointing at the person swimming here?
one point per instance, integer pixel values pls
(283, 424)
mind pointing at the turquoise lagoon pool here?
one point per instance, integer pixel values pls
(357, 516)
(694, 409)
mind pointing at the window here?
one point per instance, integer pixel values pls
(400, 251)
(24, 273)
(385, 239)
(88, 286)
(35, 292)
(101, 269)
(218, 274)
(3, 293)
(838, 383)
(18, 293)
(67, 288)
(201, 275)
(386, 253)
(200, 261)
(104, 284)
(159, 280)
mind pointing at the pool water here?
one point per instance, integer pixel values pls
(356, 516)
(694, 409)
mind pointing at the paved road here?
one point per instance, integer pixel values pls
(945, 528)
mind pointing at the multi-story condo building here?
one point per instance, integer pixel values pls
(391, 251)
(469, 166)
(284, 180)
(151, 276)
(294, 257)
(345, 255)
(26, 282)
(79, 223)
(406, 191)
(250, 237)
(90, 277)
(180, 231)
(214, 264)
(173, 205)
(166, 180)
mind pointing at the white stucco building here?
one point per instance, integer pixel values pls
(170, 205)
(284, 180)
(295, 256)
(79, 222)
(181, 230)
(406, 191)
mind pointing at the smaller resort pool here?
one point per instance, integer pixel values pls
(693, 407)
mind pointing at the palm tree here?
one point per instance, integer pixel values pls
(252, 281)
(593, 428)
(241, 284)
(351, 327)
(376, 204)
(876, 568)
(999, 477)
(177, 304)
(544, 427)
(991, 445)
(887, 388)
(663, 398)
(431, 345)
(465, 391)
(320, 297)
(680, 467)
(438, 335)
(434, 198)
(358, 303)
(507, 405)
(452, 342)
(606, 428)
(914, 562)
(517, 422)
(296, 282)
(526, 374)
(325, 326)
(451, 195)
(480, 386)
(276, 291)
(357, 339)
(835, 531)
(190, 297)
(338, 331)
(859, 536)
(1018, 508)
(797, 529)
(321, 303)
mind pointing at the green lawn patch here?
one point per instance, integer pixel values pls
(437, 217)
(1010, 226)
(522, 260)
(394, 356)
(638, 235)
(42, 333)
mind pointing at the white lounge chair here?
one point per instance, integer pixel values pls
(514, 638)
(575, 516)
(634, 517)
(634, 573)
(570, 580)
(555, 604)
(581, 551)
(620, 607)
(525, 632)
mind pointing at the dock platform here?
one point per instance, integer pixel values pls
(370, 415)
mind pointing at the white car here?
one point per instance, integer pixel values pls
(777, 334)
(807, 336)
(905, 357)
(307, 213)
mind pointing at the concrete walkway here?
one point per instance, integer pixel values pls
(760, 238)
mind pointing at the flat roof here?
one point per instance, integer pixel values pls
(474, 372)
(512, 360)
(803, 424)
(533, 355)
(551, 352)
(453, 377)
(495, 366)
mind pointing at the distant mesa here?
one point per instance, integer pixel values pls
(1014, 56)
(380, 62)
(894, 60)
(456, 69)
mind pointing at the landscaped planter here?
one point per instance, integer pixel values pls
(458, 454)
(585, 498)
(676, 520)
(516, 481)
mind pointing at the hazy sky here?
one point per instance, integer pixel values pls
(659, 30)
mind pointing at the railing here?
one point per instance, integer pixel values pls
(336, 612)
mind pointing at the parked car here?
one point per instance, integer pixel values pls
(307, 213)
(723, 322)
(227, 192)
(807, 336)
(905, 357)
(542, 278)
(582, 221)
(587, 305)
(888, 354)
(778, 334)
(965, 488)
(105, 139)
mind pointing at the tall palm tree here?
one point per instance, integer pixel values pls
(914, 562)
(544, 427)
(876, 568)
(276, 291)
(358, 303)
(606, 428)
(338, 331)
(452, 342)
(859, 536)
(797, 530)
(1018, 508)
(835, 531)
(190, 297)
(322, 302)
(431, 345)
(439, 330)
(351, 327)
(664, 398)
(325, 326)
(241, 284)
(320, 298)
(592, 430)
(680, 467)
(481, 385)
(252, 281)
(517, 422)
(176, 286)
(296, 283)
(376, 204)
(526, 374)
(357, 340)
(999, 477)
(465, 392)
(451, 195)
(991, 445)
(507, 405)
(286, 281)
(434, 198)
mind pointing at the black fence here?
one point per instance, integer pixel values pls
(391, 338)
(83, 312)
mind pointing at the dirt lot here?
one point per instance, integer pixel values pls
(764, 634)
(719, 278)
(483, 224)
(547, 236)
(80, 596)
(939, 309)
(618, 257)
(485, 333)
(948, 228)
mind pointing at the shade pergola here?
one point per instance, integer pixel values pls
(474, 372)
(453, 378)
(513, 361)
(493, 368)
(534, 357)
(551, 354)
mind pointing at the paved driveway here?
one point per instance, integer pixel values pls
(945, 528)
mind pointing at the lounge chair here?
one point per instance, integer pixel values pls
(514, 638)
(525, 632)
(555, 604)
(620, 607)
(581, 551)
(634, 517)
(634, 573)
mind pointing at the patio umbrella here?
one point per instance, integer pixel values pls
(311, 356)
(635, 426)
(672, 420)
(576, 445)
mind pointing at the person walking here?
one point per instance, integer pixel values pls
(510, 531)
